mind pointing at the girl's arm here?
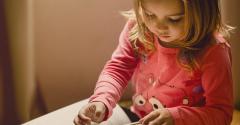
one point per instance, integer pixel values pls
(217, 84)
(116, 73)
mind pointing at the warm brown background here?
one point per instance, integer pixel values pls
(73, 40)
(63, 44)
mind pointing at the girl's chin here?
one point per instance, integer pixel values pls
(165, 38)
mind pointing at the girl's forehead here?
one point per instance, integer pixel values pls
(163, 2)
(159, 1)
(172, 6)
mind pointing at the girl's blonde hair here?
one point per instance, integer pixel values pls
(202, 20)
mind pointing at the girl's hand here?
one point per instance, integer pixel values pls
(94, 111)
(158, 117)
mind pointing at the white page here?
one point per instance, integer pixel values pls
(65, 116)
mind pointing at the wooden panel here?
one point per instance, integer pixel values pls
(20, 43)
(231, 16)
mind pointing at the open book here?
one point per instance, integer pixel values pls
(65, 116)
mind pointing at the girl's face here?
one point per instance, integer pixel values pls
(165, 18)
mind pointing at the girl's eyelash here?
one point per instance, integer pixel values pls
(148, 14)
(170, 19)
(175, 20)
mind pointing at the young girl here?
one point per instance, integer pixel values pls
(176, 55)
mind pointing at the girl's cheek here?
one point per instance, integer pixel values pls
(177, 30)
(152, 29)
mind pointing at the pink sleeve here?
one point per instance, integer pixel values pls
(218, 90)
(116, 73)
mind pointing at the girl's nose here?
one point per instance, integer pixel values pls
(161, 25)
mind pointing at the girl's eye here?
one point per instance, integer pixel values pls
(149, 15)
(174, 20)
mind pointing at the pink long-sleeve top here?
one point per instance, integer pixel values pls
(203, 97)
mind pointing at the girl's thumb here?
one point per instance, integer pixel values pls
(99, 113)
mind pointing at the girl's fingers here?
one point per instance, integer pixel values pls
(99, 114)
(165, 123)
(83, 120)
(76, 121)
(90, 111)
(92, 108)
(157, 121)
(83, 117)
(153, 115)
(87, 113)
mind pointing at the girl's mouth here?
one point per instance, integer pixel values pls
(164, 36)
